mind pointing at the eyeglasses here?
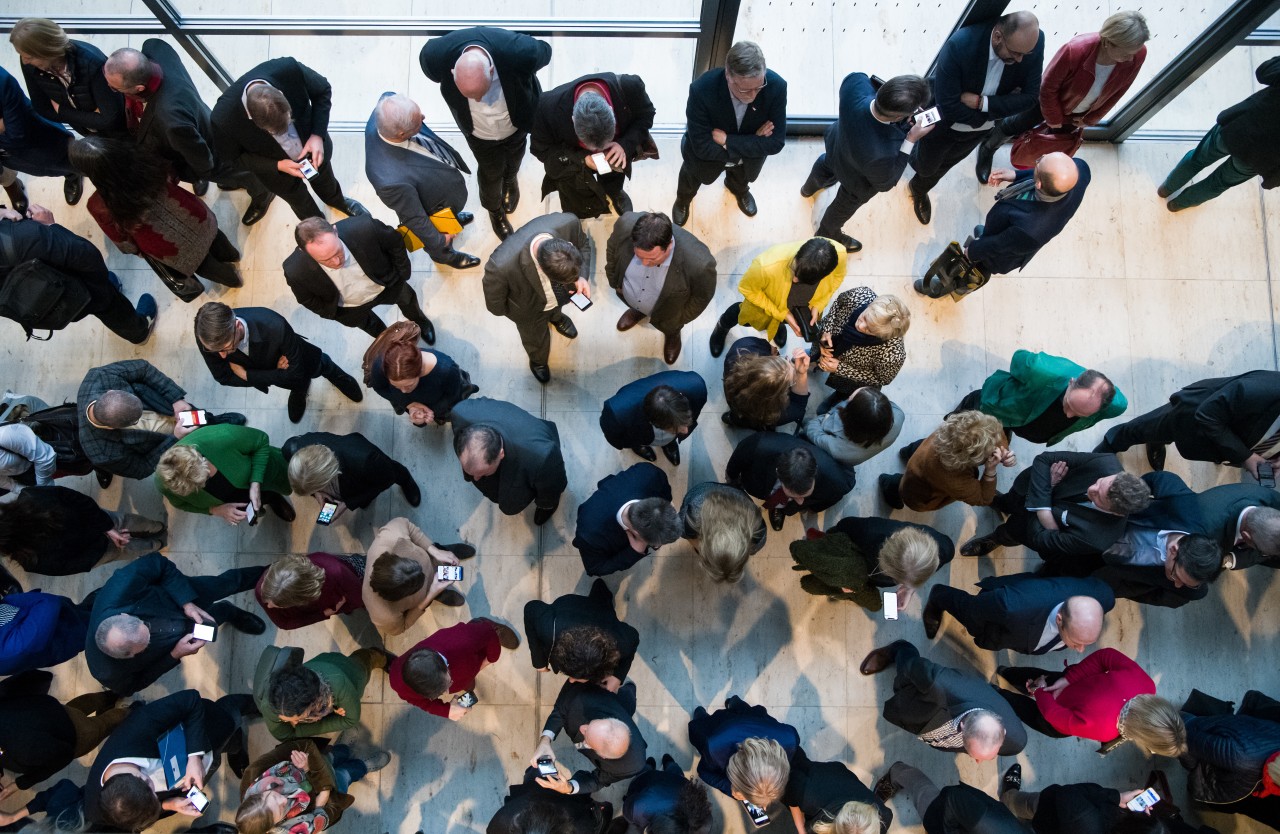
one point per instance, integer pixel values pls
(749, 91)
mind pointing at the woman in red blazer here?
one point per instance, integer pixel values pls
(1081, 84)
(1104, 697)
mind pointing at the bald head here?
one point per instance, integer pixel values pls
(472, 72)
(1056, 174)
(983, 733)
(127, 71)
(397, 118)
(1080, 622)
(607, 736)
(1015, 36)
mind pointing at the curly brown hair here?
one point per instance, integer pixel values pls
(966, 439)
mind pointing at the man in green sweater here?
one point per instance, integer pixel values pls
(321, 696)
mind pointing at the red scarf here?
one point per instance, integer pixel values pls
(1268, 786)
(134, 104)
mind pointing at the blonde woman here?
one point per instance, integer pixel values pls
(347, 470)
(725, 527)
(861, 342)
(745, 753)
(945, 466)
(297, 591)
(223, 469)
(830, 799)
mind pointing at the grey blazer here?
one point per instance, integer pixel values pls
(512, 287)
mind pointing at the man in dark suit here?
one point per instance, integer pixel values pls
(985, 72)
(600, 114)
(788, 474)
(551, 627)
(947, 708)
(954, 809)
(488, 77)
(166, 115)
(127, 786)
(253, 347)
(512, 457)
(661, 272)
(659, 410)
(1068, 507)
(140, 626)
(1166, 555)
(33, 145)
(363, 470)
(40, 238)
(341, 271)
(1232, 419)
(268, 120)
(1245, 520)
(1025, 613)
(531, 275)
(1245, 133)
(417, 175)
(627, 518)
(600, 724)
(1026, 216)
(735, 118)
(867, 147)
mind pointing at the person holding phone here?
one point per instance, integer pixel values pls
(601, 725)
(943, 468)
(1082, 807)
(867, 147)
(953, 809)
(297, 591)
(744, 752)
(447, 663)
(783, 282)
(530, 801)
(763, 388)
(424, 384)
(401, 580)
(829, 798)
(296, 789)
(344, 471)
(861, 343)
(221, 470)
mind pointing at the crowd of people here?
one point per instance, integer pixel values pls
(150, 147)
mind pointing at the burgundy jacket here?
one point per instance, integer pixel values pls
(1069, 76)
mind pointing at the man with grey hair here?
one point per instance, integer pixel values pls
(128, 418)
(418, 176)
(141, 625)
(946, 708)
(1245, 519)
(587, 133)
(488, 77)
(735, 118)
(627, 518)
(601, 725)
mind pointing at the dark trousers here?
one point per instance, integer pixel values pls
(1020, 123)
(293, 190)
(121, 318)
(313, 364)
(1025, 706)
(497, 162)
(217, 265)
(854, 193)
(697, 173)
(230, 178)
(729, 318)
(939, 152)
(211, 590)
(535, 336)
(1153, 427)
(363, 317)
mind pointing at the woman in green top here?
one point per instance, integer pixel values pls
(221, 469)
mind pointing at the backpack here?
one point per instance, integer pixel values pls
(59, 426)
(39, 297)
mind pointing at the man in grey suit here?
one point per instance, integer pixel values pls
(417, 175)
(1245, 519)
(661, 272)
(512, 457)
(531, 274)
(946, 708)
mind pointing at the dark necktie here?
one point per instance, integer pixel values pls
(434, 148)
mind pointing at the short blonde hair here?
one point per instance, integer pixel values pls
(183, 470)
(966, 439)
(725, 528)
(887, 318)
(759, 770)
(39, 37)
(291, 581)
(253, 816)
(1155, 725)
(312, 468)
(909, 557)
(1127, 29)
(852, 818)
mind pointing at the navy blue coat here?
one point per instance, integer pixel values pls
(33, 144)
(652, 794)
(1220, 509)
(622, 419)
(1226, 755)
(1011, 611)
(861, 146)
(602, 542)
(1017, 229)
(716, 737)
(710, 105)
(962, 68)
(754, 466)
(47, 630)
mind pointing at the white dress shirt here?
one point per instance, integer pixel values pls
(995, 70)
(354, 287)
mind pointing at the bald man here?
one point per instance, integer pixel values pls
(1025, 613)
(600, 723)
(488, 78)
(1030, 212)
(985, 72)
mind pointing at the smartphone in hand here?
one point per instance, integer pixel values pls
(449, 573)
(1266, 475)
(928, 117)
(547, 767)
(308, 170)
(326, 513)
(1143, 801)
(194, 418)
(205, 632)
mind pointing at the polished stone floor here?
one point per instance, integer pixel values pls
(1154, 300)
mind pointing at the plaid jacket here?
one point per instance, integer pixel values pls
(130, 453)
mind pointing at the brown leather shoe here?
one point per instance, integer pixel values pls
(507, 636)
(877, 661)
(630, 319)
(671, 345)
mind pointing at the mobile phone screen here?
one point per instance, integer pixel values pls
(758, 816)
(205, 632)
(326, 512)
(602, 164)
(580, 301)
(1144, 800)
(891, 605)
(546, 766)
(193, 418)
(450, 573)
(250, 514)
(927, 117)
(198, 799)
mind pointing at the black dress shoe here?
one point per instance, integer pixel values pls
(451, 598)
(244, 622)
(200, 188)
(257, 209)
(777, 518)
(17, 196)
(889, 490)
(297, 404)
(104, 477)
(347, 385)
(885, 789)
(510, 195)
(353, 208)
(645, 452)
(73, 188)
(877, 660)
(672, 452)
(932, 618)
(428, 330)
(621, 203)
(565, 327)
(1012, 780)
(462, 550)
(460, 260)
(979, 546)
(412, 494)
(540, 372)
(717, 340)
(746, 203)
(501, 225)
(922, 205)
(542, 515)
(1163, 192)
(465, 218)
(680, 212)
(850, 244)
(1155, 455)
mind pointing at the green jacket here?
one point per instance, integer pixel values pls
(1033, 381)
(346, 677)
(833, 563)
(242, 455)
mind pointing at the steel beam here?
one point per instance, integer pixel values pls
(715, 36)
(169, 18)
